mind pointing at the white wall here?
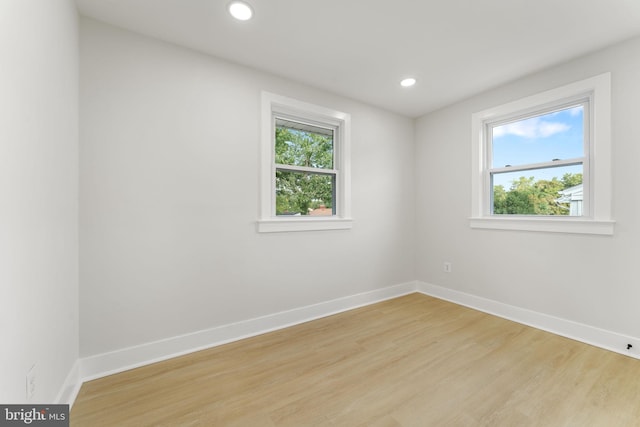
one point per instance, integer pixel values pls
(588, 279)
(169, 197)
(38, 196)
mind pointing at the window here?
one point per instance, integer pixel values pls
(536, 163)
(305, 176)
(305, 166)
(536, 159)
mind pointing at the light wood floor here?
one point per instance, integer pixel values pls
(411, 361)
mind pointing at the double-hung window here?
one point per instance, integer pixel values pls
(305, 166)
(536, 166)
(537, 163)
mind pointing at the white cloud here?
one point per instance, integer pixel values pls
(576, 111)
(531, 128)
(549, 128)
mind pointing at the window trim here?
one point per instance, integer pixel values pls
(598, 164)
(272, 105)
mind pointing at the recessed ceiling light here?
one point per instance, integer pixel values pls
(408, 82)
(240, 10)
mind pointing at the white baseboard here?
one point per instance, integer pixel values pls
(71, 386)
(101, 365)
(607, 340)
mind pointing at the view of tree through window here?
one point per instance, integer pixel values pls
(538, 164)
(528, 196)
(305, 175)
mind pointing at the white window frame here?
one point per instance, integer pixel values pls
(597, 163)
(273, 106)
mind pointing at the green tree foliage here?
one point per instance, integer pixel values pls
(297, 192)
(571, 179)
(303, 148)
(526, 196)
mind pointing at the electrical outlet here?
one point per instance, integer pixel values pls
(446, 267)
(31, 382)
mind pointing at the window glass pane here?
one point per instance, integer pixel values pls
(302, 193)
(537, 139)
(548, 191)
(299, 144)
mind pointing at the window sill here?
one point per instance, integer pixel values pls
(547, 224)
(278, 225)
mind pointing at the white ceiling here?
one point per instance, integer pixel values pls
(362, 48)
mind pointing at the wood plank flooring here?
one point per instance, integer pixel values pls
(410, 361)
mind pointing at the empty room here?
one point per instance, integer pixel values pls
(319, 213)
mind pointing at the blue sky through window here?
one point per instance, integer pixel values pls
(543, 138)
